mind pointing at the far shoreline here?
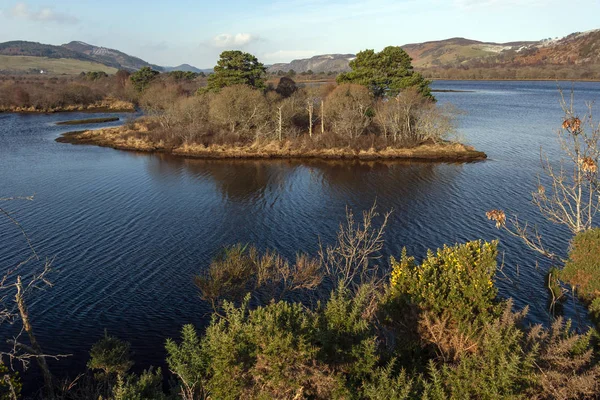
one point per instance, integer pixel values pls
(108, 105)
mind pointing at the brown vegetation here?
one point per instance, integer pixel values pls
(33, 94)
(88, 121)
(318, 122)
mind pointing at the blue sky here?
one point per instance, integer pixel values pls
(195, 32)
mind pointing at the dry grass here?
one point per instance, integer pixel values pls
(108, 104)
(136, 138)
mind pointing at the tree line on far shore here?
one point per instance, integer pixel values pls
(381, 102)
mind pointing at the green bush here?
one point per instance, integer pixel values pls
(456, 282)
(582, 269)
(110, 355)
(281, 350)
(269, 352)
(141, 79)
(10, 384)
(148, 386)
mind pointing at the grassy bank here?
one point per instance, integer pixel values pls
(51, 66)
(136, 139)
(88, 121)
(106, 105)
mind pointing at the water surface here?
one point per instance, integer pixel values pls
(128, 231)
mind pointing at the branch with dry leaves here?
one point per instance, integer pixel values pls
(572, 197)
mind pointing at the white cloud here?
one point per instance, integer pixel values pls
(237, 40)
(287, 55)
(22, 11)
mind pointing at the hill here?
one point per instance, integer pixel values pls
(184, 67)
(55, 66)
(111, 57)
(322, 63)
(577, 48)
(94, 57)
(33, 49)
(576, 56)
(458, 50)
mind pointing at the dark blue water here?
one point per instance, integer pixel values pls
(129, 231)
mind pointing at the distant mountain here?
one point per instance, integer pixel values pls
(581, 48)
(323, 63)
(33, 49)
(110, 57)
(183, 67)
(444, 58)
(458, 50)
(577, 48)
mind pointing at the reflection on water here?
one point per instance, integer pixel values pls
(253, 180)
(130, 230)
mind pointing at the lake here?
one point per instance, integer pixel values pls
(128, 231)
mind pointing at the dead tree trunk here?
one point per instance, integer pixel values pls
(310, 108)
(322, 117)
(280, 123)
(35, 347)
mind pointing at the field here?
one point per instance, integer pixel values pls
(52, 66)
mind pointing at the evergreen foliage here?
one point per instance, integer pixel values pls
(386, 73)
(237, 68)
(141, 79)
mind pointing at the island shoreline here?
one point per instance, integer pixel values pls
(440, 152)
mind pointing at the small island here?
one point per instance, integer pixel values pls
(381, 109)
(133, 139)
(89, 121)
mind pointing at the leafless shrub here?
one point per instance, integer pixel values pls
(348, 110)
(349, 262)
(572, 198)
(450, 342)
(240, 269)
(241, 109)
(397, 117)
(564, 371)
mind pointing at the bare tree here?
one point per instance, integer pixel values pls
(16, 286)
(572, 197)
(349, 261)
(347, 110)
(310, 108)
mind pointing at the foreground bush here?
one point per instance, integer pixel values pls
(582, 269)
(437, 330)
(433, 329)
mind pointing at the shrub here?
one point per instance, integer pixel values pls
(141, 79)
(240, 109)
(239, 269)
(387, 384)
(110, 355)
(148, 386)
(286, 87)
(95, 75)
(348, 110)
(10, 384)
(20, 97)
(283, 350)
(189, 362)
(496, 369)
(454, 282)
(264, 353)
(582, 269)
